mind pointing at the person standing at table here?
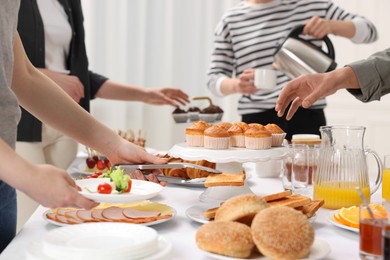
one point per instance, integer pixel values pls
(247, 37)
(50, 186)
(52, 33)
(367, 80)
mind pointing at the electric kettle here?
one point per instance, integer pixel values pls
(296, 56)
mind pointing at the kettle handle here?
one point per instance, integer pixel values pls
(297, 30)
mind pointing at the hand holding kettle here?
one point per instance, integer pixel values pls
(317, 27)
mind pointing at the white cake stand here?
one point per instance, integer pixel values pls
(229, 161)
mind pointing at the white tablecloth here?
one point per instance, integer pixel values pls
(180, 231)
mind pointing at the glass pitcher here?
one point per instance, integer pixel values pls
(342, 166)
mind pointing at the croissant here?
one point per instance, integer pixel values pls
(196, 173)
(182, 173)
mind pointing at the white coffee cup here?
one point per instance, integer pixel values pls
(265, 78)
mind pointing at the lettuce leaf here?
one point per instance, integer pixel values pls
(121, 180)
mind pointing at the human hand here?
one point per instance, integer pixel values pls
(53, 187)
(122, 151)
(138, 175)
(317, 27)
(166, 96)
(304, 90)
(245, 84)
(69, 83)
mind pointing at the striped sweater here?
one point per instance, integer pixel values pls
(248, 34)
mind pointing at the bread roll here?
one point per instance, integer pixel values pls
(226, 238)
(282, 233)
(241, 208)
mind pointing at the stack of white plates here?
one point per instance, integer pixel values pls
(101, 241)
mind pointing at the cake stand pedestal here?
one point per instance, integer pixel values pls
(229, 161)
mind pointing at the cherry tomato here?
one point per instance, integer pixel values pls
(128, 186)
(93, 176)
(104, 188)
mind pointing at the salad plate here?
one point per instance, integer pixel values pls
(140, 190)
(319, 250)
(337, 224)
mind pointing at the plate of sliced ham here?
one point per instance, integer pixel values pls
(144, 213)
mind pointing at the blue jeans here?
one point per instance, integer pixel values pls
(7, 214)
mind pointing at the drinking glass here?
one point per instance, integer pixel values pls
(386, 178)
(370, 233)
(300, 169)
(386, 234)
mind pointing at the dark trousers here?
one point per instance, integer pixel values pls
(7, 214)
(304, 121)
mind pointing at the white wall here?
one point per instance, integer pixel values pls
(168, 43)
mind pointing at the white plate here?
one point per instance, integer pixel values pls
(174, 212)
(140, 190)
(337, 224)
(319, 250)
(232, 154)
(164, 248)
(196, 212)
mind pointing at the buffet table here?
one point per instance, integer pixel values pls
(180, 230)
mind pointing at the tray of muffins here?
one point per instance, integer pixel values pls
(226, 142)
(211, 113)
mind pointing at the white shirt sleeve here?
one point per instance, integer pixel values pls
(362, 30)
(218, 91)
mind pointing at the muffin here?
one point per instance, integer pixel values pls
(224, 125)
(211, 113)
(256, 125)
(256, 138)
(194, 133)
(179, 115)
(236, 132)
(193, 113)
(216, 137)
(278, 134)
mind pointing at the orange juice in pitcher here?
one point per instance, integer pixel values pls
(339, 194)
(342, 167)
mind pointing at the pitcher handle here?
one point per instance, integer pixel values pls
(378, 180)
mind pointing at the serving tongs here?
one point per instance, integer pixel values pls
(128, 168)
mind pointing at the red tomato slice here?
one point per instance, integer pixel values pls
(128, 186)
(104, 188)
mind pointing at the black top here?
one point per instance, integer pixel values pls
(31, 31)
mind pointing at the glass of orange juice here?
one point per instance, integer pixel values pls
(386, 178)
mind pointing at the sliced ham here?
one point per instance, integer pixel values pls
(72, 215)
(51, 216)
(62, 219)
(114, 214)
(85, 215)
(97, 215)
(134, 213)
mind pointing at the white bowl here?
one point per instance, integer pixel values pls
(208, 117)
(180, 118)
